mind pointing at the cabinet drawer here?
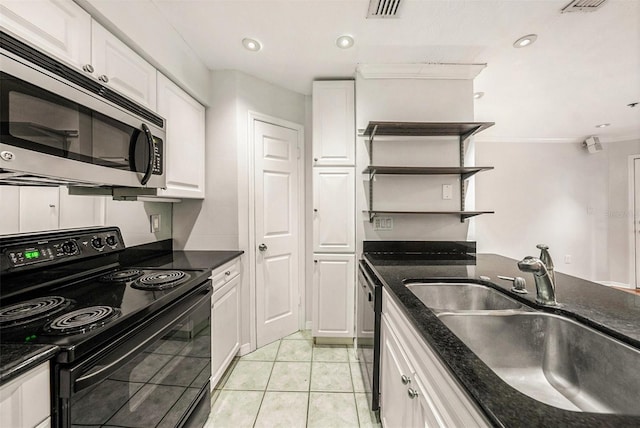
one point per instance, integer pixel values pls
(225, 273)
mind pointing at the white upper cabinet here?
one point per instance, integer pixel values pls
(334, 123)
(185, 141)
(334, 210)
(58, 27)
(119, 67)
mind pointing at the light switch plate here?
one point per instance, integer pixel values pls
(447, 191)
(154, 220)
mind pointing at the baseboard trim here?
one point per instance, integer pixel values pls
(334, 341)
(244, 349)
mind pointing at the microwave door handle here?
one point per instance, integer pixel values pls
(147, 174)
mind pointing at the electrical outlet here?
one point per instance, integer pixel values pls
(383, 223)
(567, 259)
(154, 221)
(447, 191)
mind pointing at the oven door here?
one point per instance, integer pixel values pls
(369, 307)
(53, 129)
(157, 377)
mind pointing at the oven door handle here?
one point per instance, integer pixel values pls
(125, 352)
(368, 279)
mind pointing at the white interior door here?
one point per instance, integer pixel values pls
(276, 231)
(636, 217)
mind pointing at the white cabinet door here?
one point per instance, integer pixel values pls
(225, 328)
(39, 208)
(334, 123)
(334, 210)
(395, 408)
(58, 27)
(119, 67)
(25, 400)
(184, 148)
(333, 295)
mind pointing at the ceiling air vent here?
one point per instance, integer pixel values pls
(384, 8)
(583, 6)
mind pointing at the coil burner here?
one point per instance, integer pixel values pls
(32, 310)
(162, 280)
(121, 275)
(82, 320)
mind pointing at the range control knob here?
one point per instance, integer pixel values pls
(97, 243)
(112, 241)
(69, 248)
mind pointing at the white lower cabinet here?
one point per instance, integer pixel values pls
(25, 402)
(333, 295)
(225, 320)
(416, 389)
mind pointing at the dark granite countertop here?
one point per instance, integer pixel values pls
(613, 311)
(209, 260)
(16, 359)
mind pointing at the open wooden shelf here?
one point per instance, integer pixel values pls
(425, 129)
(465, 171)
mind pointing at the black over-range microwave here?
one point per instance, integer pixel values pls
(61, 127)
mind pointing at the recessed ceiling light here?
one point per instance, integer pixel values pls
(525, 41)
(251, 44)
(477, 95)
(344, 42)
(603, 125)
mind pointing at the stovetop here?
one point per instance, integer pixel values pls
(84, 300)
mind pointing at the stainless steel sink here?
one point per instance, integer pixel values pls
(554, 360)
(443, 296)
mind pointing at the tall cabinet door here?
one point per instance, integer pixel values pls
(333, 295)
(59, 27)
(184, 148)
(334, 210)
(334, 123)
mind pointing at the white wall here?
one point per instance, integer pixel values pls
(30, 209)
(221, 220)
(411, 100)
(620, 214)
(545, 193)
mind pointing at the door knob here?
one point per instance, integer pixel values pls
(262, 247)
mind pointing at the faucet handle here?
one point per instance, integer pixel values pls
(542, 246)
(519, 284)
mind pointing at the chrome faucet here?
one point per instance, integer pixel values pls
(545, 257)
(545, 287)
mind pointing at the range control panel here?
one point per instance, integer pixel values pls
(55, 249)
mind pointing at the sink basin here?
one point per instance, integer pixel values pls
(444, 296)
(554, 360)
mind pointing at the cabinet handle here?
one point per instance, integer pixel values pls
(405, 379)
(227, 273)
(315, 261)
(103, 78)
(315, 210)
(262, 247)
(88, 68)
(52, 206)
(315, 159)
(412, 393)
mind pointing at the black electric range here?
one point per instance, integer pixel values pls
(121, 330)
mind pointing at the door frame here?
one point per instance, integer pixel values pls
(252, 245)
(633, 226)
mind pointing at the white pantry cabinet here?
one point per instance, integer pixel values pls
(333, 295)
(334, 123)
(334, 210)
(185, 146)
(60, 28)
(120, 68)
(25, 402)
(225, 318)
(416, 389)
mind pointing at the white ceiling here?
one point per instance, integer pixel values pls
(582, 71)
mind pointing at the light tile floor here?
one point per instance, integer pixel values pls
(292, 383)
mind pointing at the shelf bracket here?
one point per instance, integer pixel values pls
(371, 137)
(372, 216)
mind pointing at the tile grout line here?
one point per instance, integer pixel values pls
(353, 389)
(264, 393)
